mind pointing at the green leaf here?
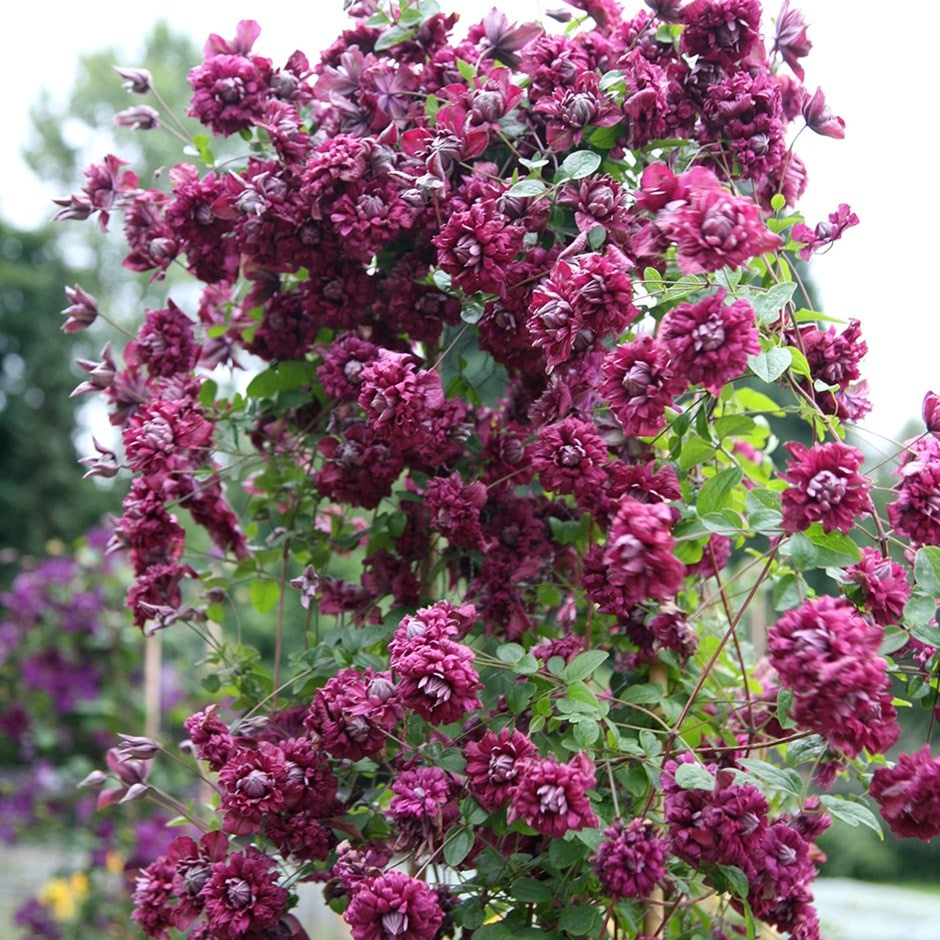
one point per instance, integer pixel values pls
(527, 665)
(441, 280)
(784, 705)
(694, 777)
(263, 385)
(815, 548)
(580, 921)
(531, 891)
(723, 522)
(733, 426)
(695, 451)
(777, 201)
(510, 653)
(757, 402)
(644, 693)
(393, 36)
(583, 665)
(452, 760)
(457, 847)
(518, 696)
(788, 593)
(770, 365)
(919, 610)
(799, 364)
(563, 853)
(470, 914)
(207, 393)
(586, 732)
(785, 780)
(467, 71)
(264, 593)
(717, 490)
(836, 549)
(854, 814)
(526, 188)
(580, 164)
(736, 879)
(472, 312)
(566, 531)
(927, 569)
(767, 306)
(605, 137)
(652, 746)
(203, 147)
(397, 523)
(597, 235)
(927, 633)
(894, 639)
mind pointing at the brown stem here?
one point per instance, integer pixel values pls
(667, 750)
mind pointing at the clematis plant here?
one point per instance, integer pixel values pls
(499, 338)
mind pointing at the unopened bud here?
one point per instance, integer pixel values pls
(82, 312)
(101, 374)
(94, 781)
(139, 118)
(931, 413)
(137, 81)
(134, 793)
(137, 747)
(106, 465)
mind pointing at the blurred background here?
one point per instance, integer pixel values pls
(61, 95)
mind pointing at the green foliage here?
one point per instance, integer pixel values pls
(43, 497)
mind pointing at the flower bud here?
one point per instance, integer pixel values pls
(94, 781)
(134, 793)
(82, 312)
(138, 81)
(139, 118)
(931, 413)
(105, 465)
(137, 747)
(101, 374)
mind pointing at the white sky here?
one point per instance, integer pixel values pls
(876, 70)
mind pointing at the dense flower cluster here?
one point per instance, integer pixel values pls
(499, 293)
(908, 795)
(829, 656)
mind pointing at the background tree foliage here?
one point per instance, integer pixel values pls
(39, 473)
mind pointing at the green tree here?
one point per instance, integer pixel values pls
(39, 472)
(40, 489)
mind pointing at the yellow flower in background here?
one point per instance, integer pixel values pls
(63, 895)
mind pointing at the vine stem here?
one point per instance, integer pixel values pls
(737, 643)
(674, 733)
(279, 634)
(652, 916)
